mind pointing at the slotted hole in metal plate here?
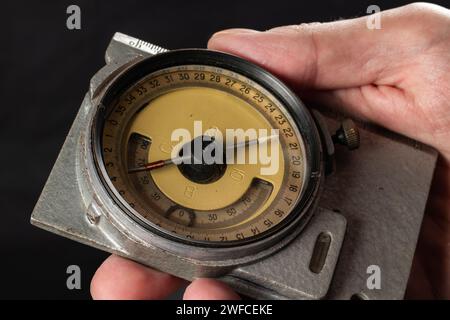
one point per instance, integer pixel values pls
(320, 252)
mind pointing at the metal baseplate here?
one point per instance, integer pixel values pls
(371, 208)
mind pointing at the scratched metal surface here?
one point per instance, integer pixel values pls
(381, 189)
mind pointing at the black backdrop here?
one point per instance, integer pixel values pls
(44, 73)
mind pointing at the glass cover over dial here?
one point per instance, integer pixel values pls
(210, 203)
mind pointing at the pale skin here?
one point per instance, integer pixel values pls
(397, 77)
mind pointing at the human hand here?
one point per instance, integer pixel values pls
(397, 76)
(121, 279)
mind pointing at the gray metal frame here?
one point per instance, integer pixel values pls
(379, 192)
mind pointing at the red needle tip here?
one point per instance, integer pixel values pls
(149, 166)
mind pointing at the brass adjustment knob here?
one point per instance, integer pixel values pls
(347, 135)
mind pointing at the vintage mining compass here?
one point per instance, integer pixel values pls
(118, 186)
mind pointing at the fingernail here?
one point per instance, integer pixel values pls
(234, 31)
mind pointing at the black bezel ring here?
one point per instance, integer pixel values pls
(299, 113)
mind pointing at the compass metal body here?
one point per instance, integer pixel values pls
(268, 236)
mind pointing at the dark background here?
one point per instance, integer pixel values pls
(44, 73)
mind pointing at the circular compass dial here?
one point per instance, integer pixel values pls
(206, 148)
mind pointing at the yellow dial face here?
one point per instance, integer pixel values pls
(256, 180)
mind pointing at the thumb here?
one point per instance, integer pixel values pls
(345, 64)
(332, 55)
